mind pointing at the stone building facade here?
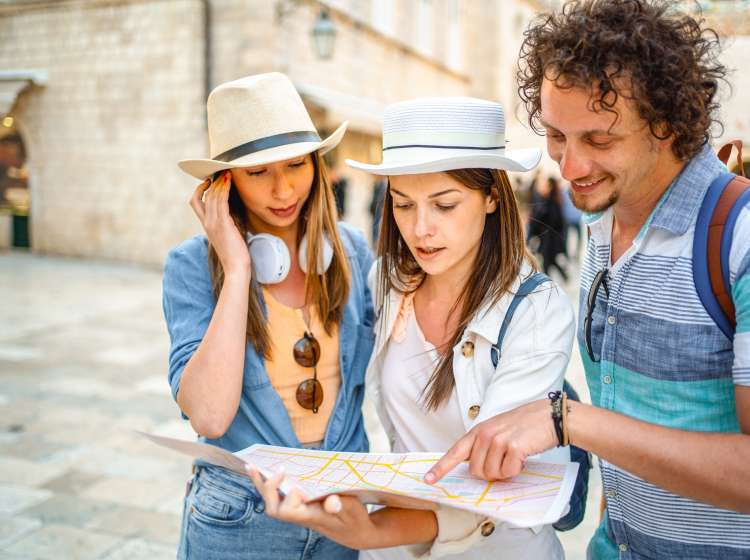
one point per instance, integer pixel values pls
(108, 95)
(122, 103)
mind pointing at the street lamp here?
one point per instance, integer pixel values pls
(324, 35)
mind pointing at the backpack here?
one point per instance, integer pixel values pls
(583, 458)
(727, 195)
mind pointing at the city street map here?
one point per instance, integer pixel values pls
(537, 496)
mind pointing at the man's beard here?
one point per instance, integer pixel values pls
(580, 202)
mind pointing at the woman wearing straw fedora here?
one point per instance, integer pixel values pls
(451, 261)
(269, 315)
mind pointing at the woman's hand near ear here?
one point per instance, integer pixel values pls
(211, 384)
(210, 202)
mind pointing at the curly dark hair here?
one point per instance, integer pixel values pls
(645, 50)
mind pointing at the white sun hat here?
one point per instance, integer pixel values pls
(432, 134)
(257, 120)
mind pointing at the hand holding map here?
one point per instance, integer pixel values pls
(537, 496)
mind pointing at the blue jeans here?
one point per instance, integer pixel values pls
(224, 519)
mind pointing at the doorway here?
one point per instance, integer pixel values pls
(15, 200)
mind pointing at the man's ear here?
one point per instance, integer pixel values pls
(663, 137)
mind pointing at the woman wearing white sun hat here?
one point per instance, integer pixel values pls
(269, 315)
(452, 257)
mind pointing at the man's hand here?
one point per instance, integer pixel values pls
(498, 447)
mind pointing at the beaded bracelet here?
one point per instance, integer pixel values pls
(565, 410)
(556, 401)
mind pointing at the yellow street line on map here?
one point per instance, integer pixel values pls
(511, 499)
(359, 476)
(523, 496)
(295, 454)
(542, 475)
(349, 463)
(361, 462)
(321, 469)
(416, 479)
(346, 462)
(383, 464)
(357, 461)
(486, 489)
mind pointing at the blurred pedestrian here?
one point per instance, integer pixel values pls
(547, 225)
(340, 185)
(573, 223)
(376, 206)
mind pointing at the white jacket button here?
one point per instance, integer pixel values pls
(487, 528)
(467, 349)
(474, 411)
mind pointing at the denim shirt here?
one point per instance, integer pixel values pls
(189, 302)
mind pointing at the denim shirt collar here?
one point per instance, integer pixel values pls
(685, 195)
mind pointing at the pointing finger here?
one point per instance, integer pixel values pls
(460, 451)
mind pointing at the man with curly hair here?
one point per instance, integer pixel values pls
(626, 93)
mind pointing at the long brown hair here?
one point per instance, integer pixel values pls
(502, 251)
(327, 292)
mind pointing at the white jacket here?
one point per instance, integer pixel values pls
(534, 357)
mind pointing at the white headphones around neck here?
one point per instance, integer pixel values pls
(271, 261)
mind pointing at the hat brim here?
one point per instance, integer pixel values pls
(428, 161)
(203, 168)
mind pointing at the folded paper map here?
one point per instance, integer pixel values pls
(537, 496)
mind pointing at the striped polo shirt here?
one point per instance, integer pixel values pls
(663, 360)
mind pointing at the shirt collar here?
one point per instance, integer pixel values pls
(678, 208)
(685, 195)
(486, 323)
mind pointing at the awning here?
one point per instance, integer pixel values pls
(13, 82)
(364, 114)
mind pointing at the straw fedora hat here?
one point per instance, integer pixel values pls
(257, 120)
(433, 134)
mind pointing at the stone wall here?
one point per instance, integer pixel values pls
(123, 103)
(125, 99)
(735, 112)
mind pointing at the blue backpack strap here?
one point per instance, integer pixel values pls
(701, 273)
(701, 265)
(727, 235)
(526, 287)
(577, 509)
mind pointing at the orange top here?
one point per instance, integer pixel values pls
(287, 326)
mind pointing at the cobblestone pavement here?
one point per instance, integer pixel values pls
(83, 353)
